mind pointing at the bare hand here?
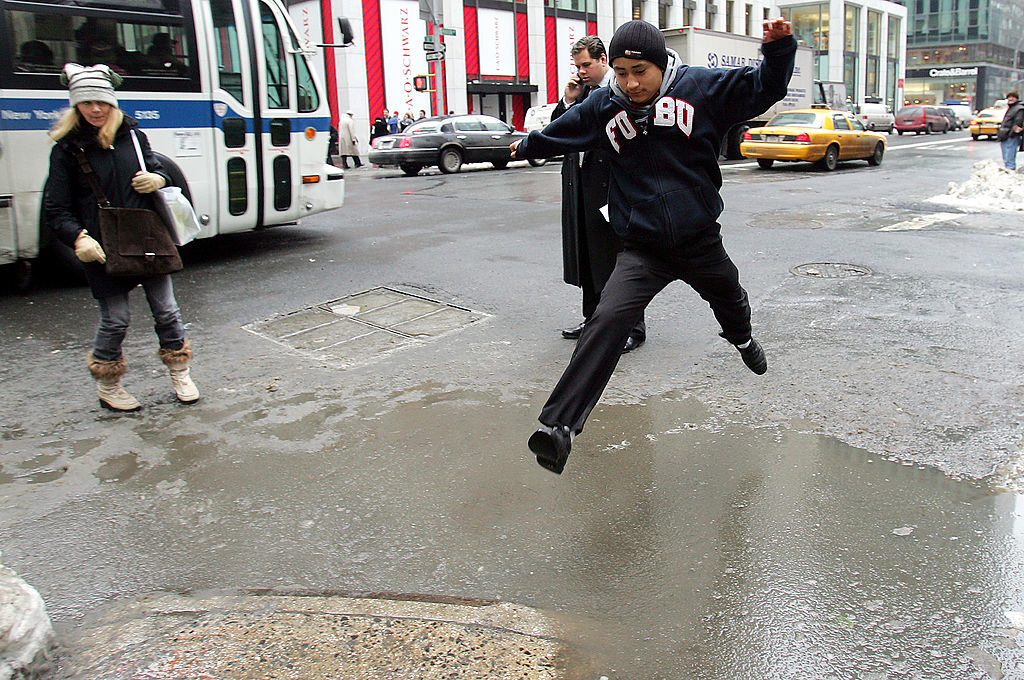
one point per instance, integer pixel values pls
(776, 28)
(513, 146)
(573, 90)
(147, 182)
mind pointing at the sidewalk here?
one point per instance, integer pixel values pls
(246, 637)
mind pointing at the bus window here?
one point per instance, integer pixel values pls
(282, 183)
(238, 195)
(277, 66)
(229, 59)
(131, 45)
(308, 99)
(280, 132)
(234, 132)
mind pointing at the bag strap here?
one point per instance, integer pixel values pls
(90, 176)
(138, 151)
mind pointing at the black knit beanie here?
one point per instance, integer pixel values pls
(638, 40)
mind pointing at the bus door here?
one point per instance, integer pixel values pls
(278, 115)
(239, 179)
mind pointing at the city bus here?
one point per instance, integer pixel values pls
(230, 99)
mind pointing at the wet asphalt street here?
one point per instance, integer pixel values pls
(856, 513)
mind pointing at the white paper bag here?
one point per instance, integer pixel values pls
(172, 206)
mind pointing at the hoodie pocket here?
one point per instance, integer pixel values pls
(675, 216)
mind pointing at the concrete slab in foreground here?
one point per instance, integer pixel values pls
(245, 637)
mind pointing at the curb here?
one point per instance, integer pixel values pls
(245, 637)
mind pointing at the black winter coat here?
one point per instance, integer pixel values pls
(1014, 116)
(584, 193)
(70, 205)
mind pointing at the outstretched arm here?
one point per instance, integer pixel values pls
(576, 130)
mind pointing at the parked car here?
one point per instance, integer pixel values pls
(919, 118)
(876, 116)
(987, 121)
(964, 113)
(820, 135)
(954, 122)
(447, 142)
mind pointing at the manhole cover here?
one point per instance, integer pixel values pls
(829, 270)
(360, 326)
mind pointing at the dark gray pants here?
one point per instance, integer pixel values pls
(638, 276)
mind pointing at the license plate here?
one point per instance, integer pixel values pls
(773, 138)
(387, 143)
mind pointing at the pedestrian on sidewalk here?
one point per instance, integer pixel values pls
(663, 123)
(95, 126)
(1009, 133)
(348, 145)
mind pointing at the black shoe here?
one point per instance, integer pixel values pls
(753, 357)
(551, 445)
(632, 342)
(574, 333)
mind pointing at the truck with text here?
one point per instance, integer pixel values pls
(713, 49)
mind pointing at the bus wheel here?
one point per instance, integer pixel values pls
(410, 169)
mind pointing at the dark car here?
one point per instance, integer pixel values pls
(447, 142)
(919, 118)
(950, 114)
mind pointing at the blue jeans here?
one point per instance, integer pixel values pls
(1010, 146)
(115, 314)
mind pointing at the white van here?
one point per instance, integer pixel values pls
(538, 117)
(876, 116)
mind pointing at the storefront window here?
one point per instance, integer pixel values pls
(810, 24)
(874, 32)
(852, 32)
(894, 36)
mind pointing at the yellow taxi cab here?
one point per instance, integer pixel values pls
(987, 122)
(817, 135)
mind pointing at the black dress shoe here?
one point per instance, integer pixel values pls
(575, 332)
(632, 342)
(551, 446)
(753, 357)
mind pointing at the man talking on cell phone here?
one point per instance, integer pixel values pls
(589, 246)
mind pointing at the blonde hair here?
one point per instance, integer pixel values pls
(71, 121)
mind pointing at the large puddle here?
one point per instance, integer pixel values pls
(678, 543)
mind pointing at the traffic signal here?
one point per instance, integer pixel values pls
(420, 84)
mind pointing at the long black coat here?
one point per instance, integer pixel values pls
(589, 246)
(70, 205)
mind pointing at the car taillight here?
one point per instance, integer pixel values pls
(405, 143)
(974, 122)
(803, 137)
(746, 136)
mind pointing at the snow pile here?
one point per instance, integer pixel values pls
(25, 630)
(991, 187)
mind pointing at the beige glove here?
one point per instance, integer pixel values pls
(147, 182)
(87, 249)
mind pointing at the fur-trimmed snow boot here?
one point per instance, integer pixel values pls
(108, 376)
(177, 361)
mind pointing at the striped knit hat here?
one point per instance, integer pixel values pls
(90, 83)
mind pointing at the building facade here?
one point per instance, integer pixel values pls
(501, 57)
(860, 43)
(964, 50)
